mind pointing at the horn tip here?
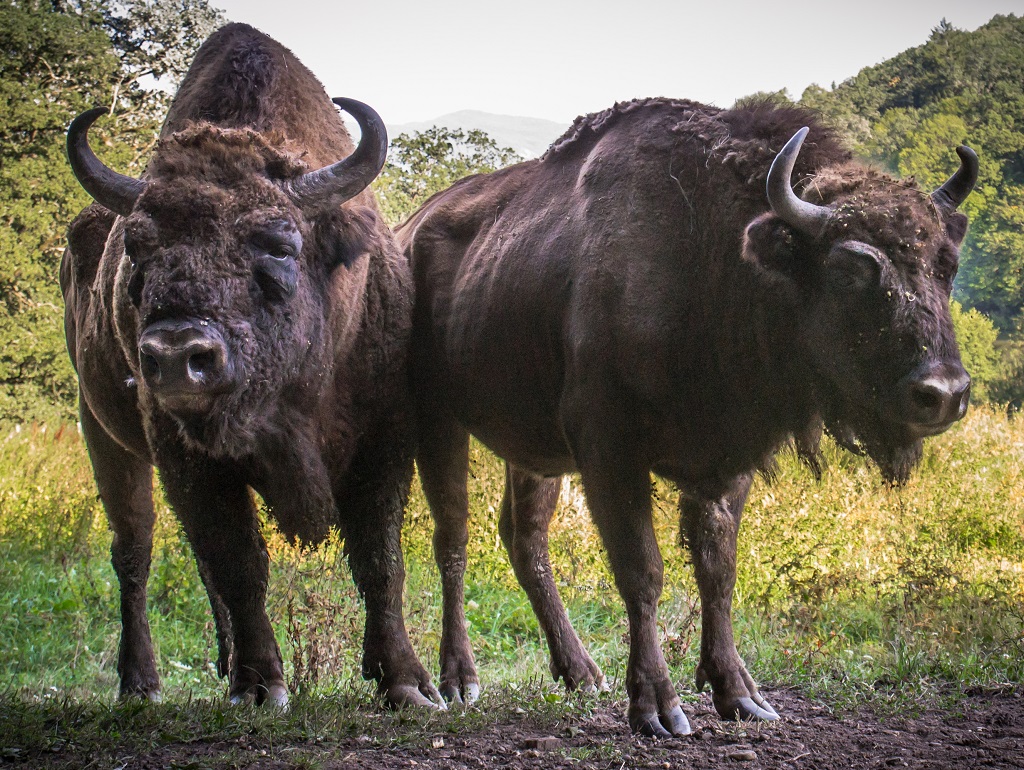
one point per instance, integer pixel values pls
(87, 118)
(966, 153)
(795, 142)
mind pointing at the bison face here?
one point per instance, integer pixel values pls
(871, 269)
(880, 340)
(225, 257)
(224, 290)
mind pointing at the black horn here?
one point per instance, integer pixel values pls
(350, 176)
(107, 187)
(805, 217)
(956, 189)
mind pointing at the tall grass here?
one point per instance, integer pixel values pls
(846, 587)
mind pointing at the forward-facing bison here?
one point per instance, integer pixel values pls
(632, 302)
(239, 318)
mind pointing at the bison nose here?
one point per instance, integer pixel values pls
(183, 360)
(936, 395)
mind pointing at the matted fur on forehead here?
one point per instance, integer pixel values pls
(869, 206)
(225, 155)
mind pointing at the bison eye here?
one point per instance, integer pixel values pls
(280, 241)
(853, 266)
(276, 276)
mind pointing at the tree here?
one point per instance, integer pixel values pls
(155, 41)
(425, 162)
(976, 337)
(57, 60)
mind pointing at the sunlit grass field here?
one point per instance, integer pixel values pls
(847, 589)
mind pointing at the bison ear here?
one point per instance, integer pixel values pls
(774, 247)
(347, 234)
(956, 227)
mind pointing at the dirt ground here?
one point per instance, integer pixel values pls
(984, 730)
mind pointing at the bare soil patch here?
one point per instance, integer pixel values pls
(984, 729)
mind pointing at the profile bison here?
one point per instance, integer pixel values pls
(239, 318)
(632, 302)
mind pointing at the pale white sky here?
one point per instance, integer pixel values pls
(556, 59)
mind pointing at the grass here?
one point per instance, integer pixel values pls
(854, 592)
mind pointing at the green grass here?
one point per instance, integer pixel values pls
(852, 591)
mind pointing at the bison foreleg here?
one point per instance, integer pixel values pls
(217, 513)
(619, 496)
(221, 621)
(125, 484)
(526, 512)
(372, 511)
(711, 526)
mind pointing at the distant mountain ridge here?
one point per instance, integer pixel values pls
(529, 137)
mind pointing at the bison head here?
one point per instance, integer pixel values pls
(225, 254)
(871, 266)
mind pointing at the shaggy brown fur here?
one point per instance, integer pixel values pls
(308, 307)
(628, 304)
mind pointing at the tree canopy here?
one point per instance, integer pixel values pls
(425, 162)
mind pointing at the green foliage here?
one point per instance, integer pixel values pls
(58, 60)
(156, 39)
(909, 113)
(780, 98)
(1008, 385)
(426, 162)
(976, 336)
(53, 65)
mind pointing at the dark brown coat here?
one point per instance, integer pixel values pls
(629, 303)
(241, 321)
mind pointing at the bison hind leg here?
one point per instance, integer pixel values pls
(526, 512)
(372, 511)
(443, 462)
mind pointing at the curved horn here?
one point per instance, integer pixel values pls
(107, 187)
(348, 177)
(955, 190)
(805, 217)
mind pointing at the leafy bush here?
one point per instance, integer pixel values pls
(976, 335)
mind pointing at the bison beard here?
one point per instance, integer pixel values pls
(890, 447)
(242, 325)
(678, 289)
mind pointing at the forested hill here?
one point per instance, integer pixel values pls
(909, 112)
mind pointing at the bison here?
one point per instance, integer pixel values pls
(239, 318)
(632, 302)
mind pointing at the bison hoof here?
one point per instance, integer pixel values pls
(737, 698)
(752, 707)
(666, 725)
(275, 696)
(465, 695)
(150, 696)
(400, 696)
(586, 677)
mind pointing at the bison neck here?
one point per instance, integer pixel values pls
(701, 365)
(737, 382)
